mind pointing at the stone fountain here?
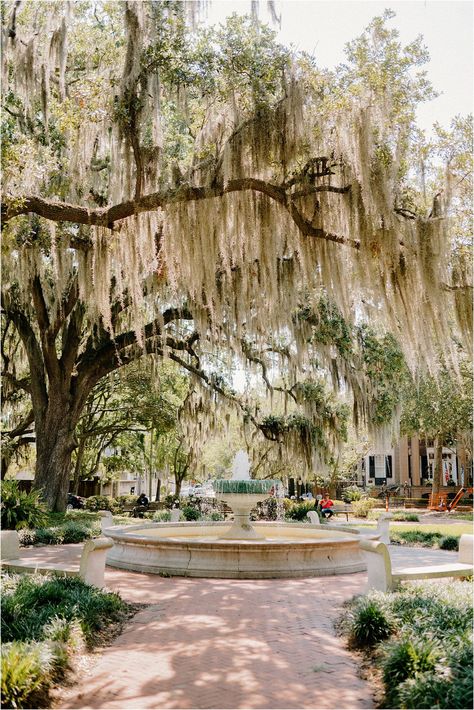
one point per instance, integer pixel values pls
(260, 550)
(242, 494)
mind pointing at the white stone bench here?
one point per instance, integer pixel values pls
(91, 566)
(381, 576)
(382, 529)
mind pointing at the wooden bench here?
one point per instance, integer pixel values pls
(381, 576)
(151, 507)
(91, 566)
(342, 510)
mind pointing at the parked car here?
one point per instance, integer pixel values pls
(74, 502)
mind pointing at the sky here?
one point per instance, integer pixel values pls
(322, 27)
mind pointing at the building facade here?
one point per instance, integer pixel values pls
(411, 462)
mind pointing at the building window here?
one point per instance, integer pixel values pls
(388, 466)
(371, 466)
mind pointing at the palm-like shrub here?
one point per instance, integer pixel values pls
(371, 623)
(19, 508)
(25, 675)
(362, 507)
(299, 511)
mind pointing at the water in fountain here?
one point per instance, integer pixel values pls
(241, 467)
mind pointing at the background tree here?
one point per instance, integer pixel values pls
(441, 409)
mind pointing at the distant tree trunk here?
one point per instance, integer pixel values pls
(438, 465)
(77, 468)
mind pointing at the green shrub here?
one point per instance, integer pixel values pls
(121, 501)
(171, 501)
(420, 538)
(449, 542)
(69, 532)
(102, 503)
(26, 678)
(371, 623)
(449, 685)
(65, 638)
(362, 507)
(299, 511)
(429, 663)
(31, 603)
(190, 513)
(162, 516)
(400, 515)
(216, 517)
(20, 509)
(352, 493)
(405, 659)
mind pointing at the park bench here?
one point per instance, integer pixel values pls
(91, 566)
(342, 510)
(381, 576)
(151, 508)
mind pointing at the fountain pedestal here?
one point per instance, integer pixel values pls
(242, 528)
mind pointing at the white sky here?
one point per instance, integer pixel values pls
(322, 27)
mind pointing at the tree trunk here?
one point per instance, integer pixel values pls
(54, 446)
(77, 468)
(438, 466)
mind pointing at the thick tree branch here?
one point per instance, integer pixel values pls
(107, 217)
(47, 337)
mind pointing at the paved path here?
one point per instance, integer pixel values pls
(211, 643)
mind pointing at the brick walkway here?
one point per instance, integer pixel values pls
(210, 643)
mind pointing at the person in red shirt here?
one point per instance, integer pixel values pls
(327, 506)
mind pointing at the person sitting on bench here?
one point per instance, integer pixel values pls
(327, 506)
(141, 506)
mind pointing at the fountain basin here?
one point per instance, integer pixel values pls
(197, 550)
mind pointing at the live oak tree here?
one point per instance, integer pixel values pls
(187, 191)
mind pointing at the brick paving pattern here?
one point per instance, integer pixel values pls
(212, 643)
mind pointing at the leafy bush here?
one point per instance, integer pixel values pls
(449, 542)
(401, 516)
(171, 501)
(19, 508)
(26, 674)
(430, 662)
(299, 511)
(30, 603)
(421, 538)
(162, 516)
(121, 501)
(449, 685)
(64, 639)
(66, 533)
(405, 659)
(371, 623)
(216, 517)
(102, 503)
(362, 507)
(352, 493)
(190, 513)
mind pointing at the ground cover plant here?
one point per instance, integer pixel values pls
(45, 620)
(420, 641)
(446, 537)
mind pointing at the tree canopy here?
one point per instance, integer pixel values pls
(190, 192)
